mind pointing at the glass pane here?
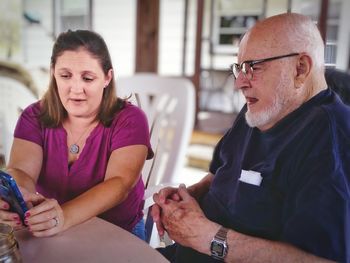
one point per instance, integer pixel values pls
(75, 15)
(75, 7)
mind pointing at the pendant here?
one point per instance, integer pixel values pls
(74, 149)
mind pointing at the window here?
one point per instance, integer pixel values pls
(72, 15)
(231, 20)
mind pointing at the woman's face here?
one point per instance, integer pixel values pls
(80, 82)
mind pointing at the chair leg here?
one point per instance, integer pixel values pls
(149, 225)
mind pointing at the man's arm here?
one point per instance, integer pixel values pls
(244, 248)
(198, 190)
(186, 223)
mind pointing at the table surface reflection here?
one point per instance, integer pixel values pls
(93, 241)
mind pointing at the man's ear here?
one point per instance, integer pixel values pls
(303, 69)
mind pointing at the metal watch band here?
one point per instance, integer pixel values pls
(222, 234)
(218, 246)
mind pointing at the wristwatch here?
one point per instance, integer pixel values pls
(218, 246)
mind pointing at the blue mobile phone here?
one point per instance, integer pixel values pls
(10, 193)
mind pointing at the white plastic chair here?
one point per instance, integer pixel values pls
(169, 104)
(14, 97)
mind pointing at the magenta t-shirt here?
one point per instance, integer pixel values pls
(59, 181)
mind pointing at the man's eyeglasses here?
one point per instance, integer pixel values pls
(246, 67)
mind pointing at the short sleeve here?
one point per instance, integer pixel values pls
(131, 128)
(28, 126)
(216, 161)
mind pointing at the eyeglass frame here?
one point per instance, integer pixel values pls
(254, 62)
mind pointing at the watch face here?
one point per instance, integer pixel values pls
(217, 248)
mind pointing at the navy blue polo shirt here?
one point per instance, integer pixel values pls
(303, 197)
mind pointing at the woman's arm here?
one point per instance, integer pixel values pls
(24, 166)
(25, 163)
(123, 171)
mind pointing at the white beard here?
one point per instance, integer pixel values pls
(271, 113)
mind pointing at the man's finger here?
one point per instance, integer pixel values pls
(160, 228)
(155, 212)
(183, 192)
(166, 193)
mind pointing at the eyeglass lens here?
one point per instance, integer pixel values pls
(245, 68)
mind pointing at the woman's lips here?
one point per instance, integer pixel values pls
(77, 101)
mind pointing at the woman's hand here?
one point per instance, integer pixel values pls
(13, 219)
(10, 218)
(45, 219)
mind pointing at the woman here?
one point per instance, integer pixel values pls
(81, 148)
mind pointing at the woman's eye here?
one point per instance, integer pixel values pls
(88, 79)
(65, 76)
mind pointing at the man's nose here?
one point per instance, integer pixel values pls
(241, 81)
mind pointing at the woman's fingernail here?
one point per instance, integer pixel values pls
(15, 218)
(27, 214)
(5, 206)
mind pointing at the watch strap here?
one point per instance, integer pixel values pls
(222, 234)
(219, 240)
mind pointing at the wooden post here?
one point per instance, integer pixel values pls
(147, 33)
(322, 21)
(197, 62)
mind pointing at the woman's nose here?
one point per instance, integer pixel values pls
(76, 86)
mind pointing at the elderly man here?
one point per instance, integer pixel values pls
(278, 188)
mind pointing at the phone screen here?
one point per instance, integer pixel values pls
(11, 194)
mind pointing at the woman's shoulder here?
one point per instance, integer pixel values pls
(33, 109)
(131, 111)
(130, 116)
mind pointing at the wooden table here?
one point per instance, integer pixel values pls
(94, 241)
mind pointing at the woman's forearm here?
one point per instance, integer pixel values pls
(22, 179)
(94, 201)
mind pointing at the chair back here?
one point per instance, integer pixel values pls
(169, 105)
(339, 81)
(14, 97)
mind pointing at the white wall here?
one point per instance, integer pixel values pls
(115, 20)
(10, 29)
(170, 37)
(37, 38)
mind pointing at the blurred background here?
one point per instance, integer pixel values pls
(196, 39)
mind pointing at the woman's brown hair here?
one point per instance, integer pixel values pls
(52, 110)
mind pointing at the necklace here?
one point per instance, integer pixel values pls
(74, 148)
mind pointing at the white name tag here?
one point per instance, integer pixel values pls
(251, 177)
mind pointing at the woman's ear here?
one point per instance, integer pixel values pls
(303, 69)
(109, 77)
